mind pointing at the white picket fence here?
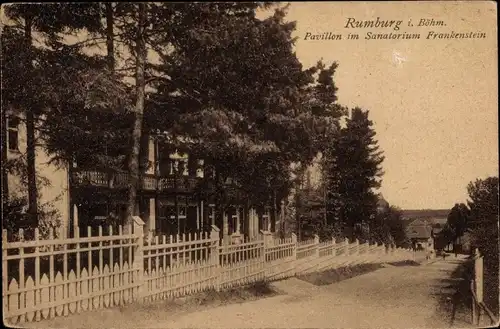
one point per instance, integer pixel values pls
(56, 277)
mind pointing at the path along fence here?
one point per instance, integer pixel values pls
(57, 277)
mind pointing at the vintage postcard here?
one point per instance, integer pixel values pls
(250, 164)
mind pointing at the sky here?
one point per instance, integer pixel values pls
(434, 103)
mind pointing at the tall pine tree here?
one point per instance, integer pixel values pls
(353, 172)
(24, 88)
(249, 106)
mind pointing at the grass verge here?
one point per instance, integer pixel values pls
(135, 315)
(338, 274)
(209, 299)
(405, 263)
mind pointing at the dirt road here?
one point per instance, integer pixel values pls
(392, 297)
(395, 297)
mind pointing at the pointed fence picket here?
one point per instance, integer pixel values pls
(43, 279)
(47, 278)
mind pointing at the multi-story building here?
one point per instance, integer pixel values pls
(173, 196)
(55, 191)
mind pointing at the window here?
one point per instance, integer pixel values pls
(13, 133)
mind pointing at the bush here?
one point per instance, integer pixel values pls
(14, 218)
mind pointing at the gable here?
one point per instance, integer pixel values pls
(419, 229)
(419, 222)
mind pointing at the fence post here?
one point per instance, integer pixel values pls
(474, 310)
(387, 251)
(346, 247)
(380, 252)
(478, 275)
(369, 252)
(5, 272)
(294, 241)
(214, 255)
(294, 253)
(267, 238)
(139, 255)
(316, 253)
(316, 243)
(334, 254)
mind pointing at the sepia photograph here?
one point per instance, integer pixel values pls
(250, 164)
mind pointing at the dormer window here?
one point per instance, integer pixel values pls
(13, 133)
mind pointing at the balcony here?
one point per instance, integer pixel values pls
(183, 183)
(95, 178)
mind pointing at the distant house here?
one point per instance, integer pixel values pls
(421, 234)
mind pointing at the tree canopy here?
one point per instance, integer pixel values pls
(352, 170)
(230, 84)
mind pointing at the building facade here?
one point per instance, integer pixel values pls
(53, 182)
(174, 194)
(421, 235)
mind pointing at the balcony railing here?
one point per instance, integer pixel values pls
(148, 182)
(183, 183)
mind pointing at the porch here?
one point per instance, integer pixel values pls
(170, 215)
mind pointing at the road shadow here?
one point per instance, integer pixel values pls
(453, 295)
(331, 276)
(404, 263)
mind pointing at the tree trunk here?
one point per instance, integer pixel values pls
(176, 200)
(5, 174)
(133, 165)
(246, 223)
(218, 200)
(30, 141)
(275, 213)
(325, 219)
(110, 36)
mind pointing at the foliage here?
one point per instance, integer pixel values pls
(458, 220)
(309, 211)
(483, 204)
(352, 170)
(14, 218)
(14, 205)
(444, 237)
(388, 228)
(26, 89)
(248, 107)
(24, 80)
(229, 83)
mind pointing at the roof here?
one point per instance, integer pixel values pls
(419, 229)
(436, 230)
(419, 232)
(438, 220)
(419, 222)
